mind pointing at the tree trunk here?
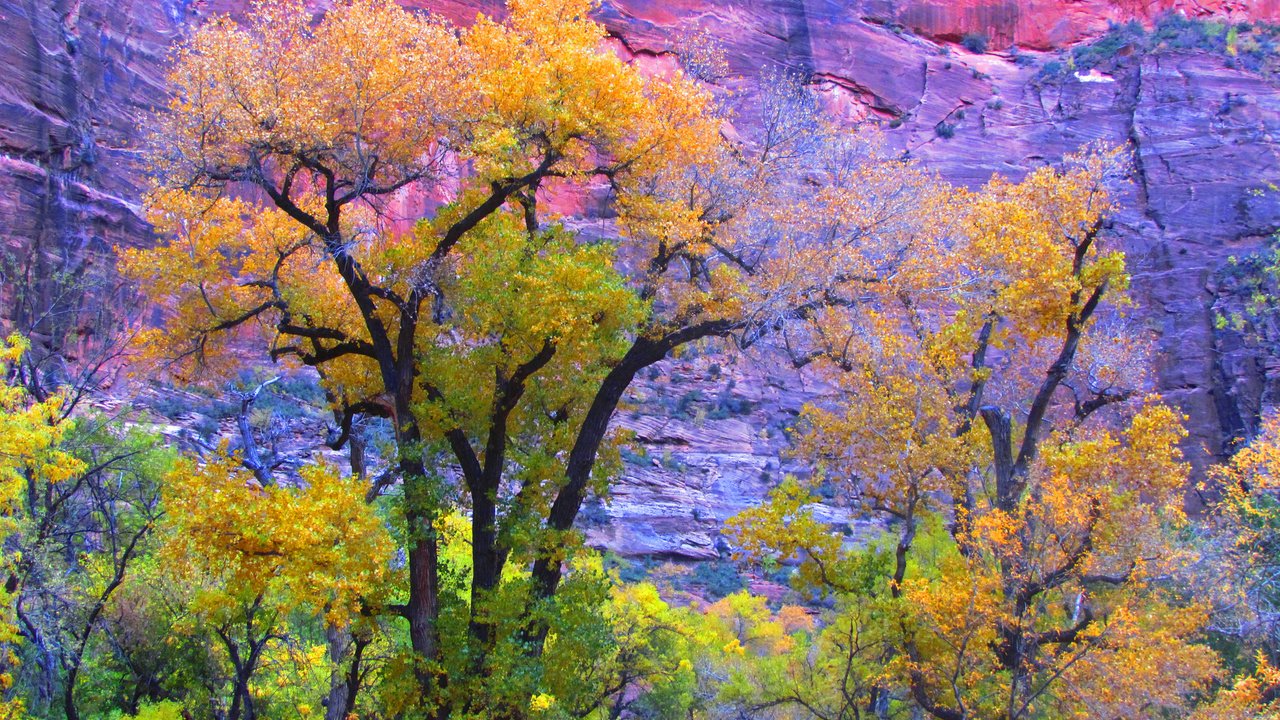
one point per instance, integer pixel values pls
(423, 607)
(340, 698)
(69, 694)
(485, 570)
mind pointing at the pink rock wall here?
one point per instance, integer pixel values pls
(1045, 24)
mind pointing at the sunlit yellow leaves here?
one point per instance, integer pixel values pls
(517, 298)
(29, 443)
(1035, 242)
(954, 624)
(373, 81)
(1147, 657)
(542, 288)
(1240, 579)
(30, 456)
(1249, 483)
(541, 703)
(366, 99)
(1247, 698)
(542, 74)
(1004, 293)
(486, 330)
(319, 547)
(655, 640)
(783, 526)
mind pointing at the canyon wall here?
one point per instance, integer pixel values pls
(81, 75)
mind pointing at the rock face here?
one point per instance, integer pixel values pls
(82, 73)
(1046, 24)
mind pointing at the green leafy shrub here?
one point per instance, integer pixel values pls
(637, 456)
(1021, 59)
(719, 578)
(975, 42)
(1249, 46)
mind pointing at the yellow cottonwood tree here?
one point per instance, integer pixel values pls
(249, 555)
(990, 383)
(1239, 571)
(493, 339)
(30, 443)
(31, 456)
(1249, 516)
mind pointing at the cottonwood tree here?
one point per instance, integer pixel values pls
(30, 457)
(497, 342)
(248, 555)
(1240, 561)
(989, 383)
(78, 540)
(79, 498)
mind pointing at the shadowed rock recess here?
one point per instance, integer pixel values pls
(972, 88)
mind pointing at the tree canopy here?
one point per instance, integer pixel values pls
(475, 239)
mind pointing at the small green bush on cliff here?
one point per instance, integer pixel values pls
(1248, 46)
(975, 42)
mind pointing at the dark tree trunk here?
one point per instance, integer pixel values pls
(345, 647)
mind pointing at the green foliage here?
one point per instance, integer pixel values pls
(593, 513)
(80, 539)
(212, 407)
(1248, 46)
(719, 578)
(685, 405)
(637, 456)
(629, 570)
(1253, 278)
(1021, 59)
(159, 710)
(1247, 301)
(1103, 50)
(728, 405)
(269, 597)
(975, 42)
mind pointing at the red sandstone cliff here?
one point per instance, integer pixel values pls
(1046, 24)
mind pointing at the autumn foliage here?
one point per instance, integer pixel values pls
(366, 197)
